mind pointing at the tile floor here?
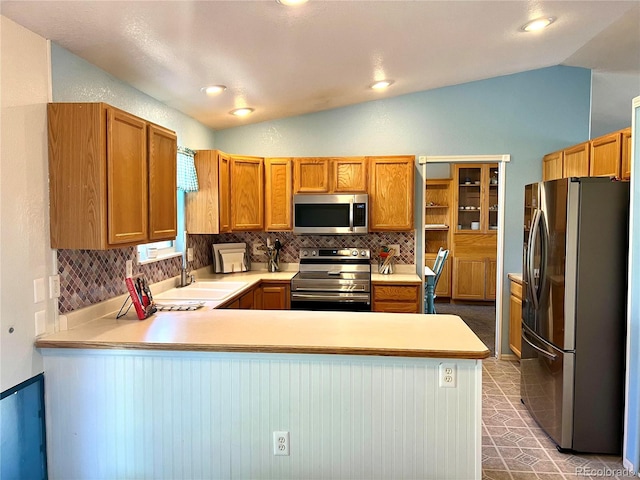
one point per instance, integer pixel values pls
(513, 447)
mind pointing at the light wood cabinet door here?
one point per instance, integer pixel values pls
(396, 298)
(552, 166)
(247, 193)
(201, 207)
(515, 318)
(311, 175)
(349, 175)
(276, 296)
(625, 170)
(163, 209)
(127, 180)
(224, 189)
(490, 280)
(606, 155)
(469, 278)
(576, 161)
(391, 193)
(278, 194)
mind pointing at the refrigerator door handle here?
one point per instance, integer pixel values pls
(531, 252)
(542, 351)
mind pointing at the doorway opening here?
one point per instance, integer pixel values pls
(472, 224)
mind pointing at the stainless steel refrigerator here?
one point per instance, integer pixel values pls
(574, 311)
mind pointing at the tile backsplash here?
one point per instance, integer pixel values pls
(92, 276)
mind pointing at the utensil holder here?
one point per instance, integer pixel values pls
(386, 265)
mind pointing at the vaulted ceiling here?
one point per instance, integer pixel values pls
(286, 61)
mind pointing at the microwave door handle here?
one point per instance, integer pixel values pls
(351, 214)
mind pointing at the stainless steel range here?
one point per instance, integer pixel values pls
(332, 279)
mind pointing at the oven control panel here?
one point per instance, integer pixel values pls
(335, 253)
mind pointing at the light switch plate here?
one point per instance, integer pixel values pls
(38, 290)
(189, 254)
(129, 268)
(396, 248)
(54, 286)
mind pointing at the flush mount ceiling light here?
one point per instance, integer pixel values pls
(241, 112)
(214, 89)
(291, 3)
(537, 24)
(381, 85)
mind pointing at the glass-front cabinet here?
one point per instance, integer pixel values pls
(476, 198)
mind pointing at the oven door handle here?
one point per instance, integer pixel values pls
(360, 288)
(344, 298)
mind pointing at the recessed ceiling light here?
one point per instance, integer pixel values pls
(381, 85)
(538, 24)
(291, 3)
(213, 89)
(241, 112)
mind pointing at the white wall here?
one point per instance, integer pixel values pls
(194, 415)
(25, 253)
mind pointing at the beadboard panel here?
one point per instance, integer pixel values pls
(153, 415)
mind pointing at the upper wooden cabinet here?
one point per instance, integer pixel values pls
(247, 193)
(625, 170)
(330, 175)
(311, 175)
(606, 155)
(552, 166)
(278, 196)
(202, 206)
(102, 162)
(576, 161)
(391, 186)
(162, 183)
(475, 197)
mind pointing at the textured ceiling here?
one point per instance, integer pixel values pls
(290, 61)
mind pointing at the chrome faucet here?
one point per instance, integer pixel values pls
(186, 277)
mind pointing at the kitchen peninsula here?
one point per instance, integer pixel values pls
(199, 395)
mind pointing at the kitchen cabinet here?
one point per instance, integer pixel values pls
(278, 194)
(552, 166)
(330, 175)
(625, 170)
(474, 278)
(476, 198)
(396, 298)
(246, 300)
(606, 155)
(102, 163)
(276, 295)
(576, 160)
(391, 186)
(224, 192)
(246, 193)
(202, 207)
(437, 232)
(515, 317)
(311, 175)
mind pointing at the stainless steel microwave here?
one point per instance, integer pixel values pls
(327, 214)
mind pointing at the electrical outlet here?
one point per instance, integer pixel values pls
(54, 286)
(396, 248)
(189, 254)
(281, 443)
(448, 375)
(129, 268)
(257, 248)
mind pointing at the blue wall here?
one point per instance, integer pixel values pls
(525, 115)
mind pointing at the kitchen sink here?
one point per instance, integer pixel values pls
(202, 291)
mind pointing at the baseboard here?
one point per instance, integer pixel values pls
(512, 357)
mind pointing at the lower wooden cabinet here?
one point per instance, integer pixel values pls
(515, 318)
(276, 296)
(396, 298)
(474, 278)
